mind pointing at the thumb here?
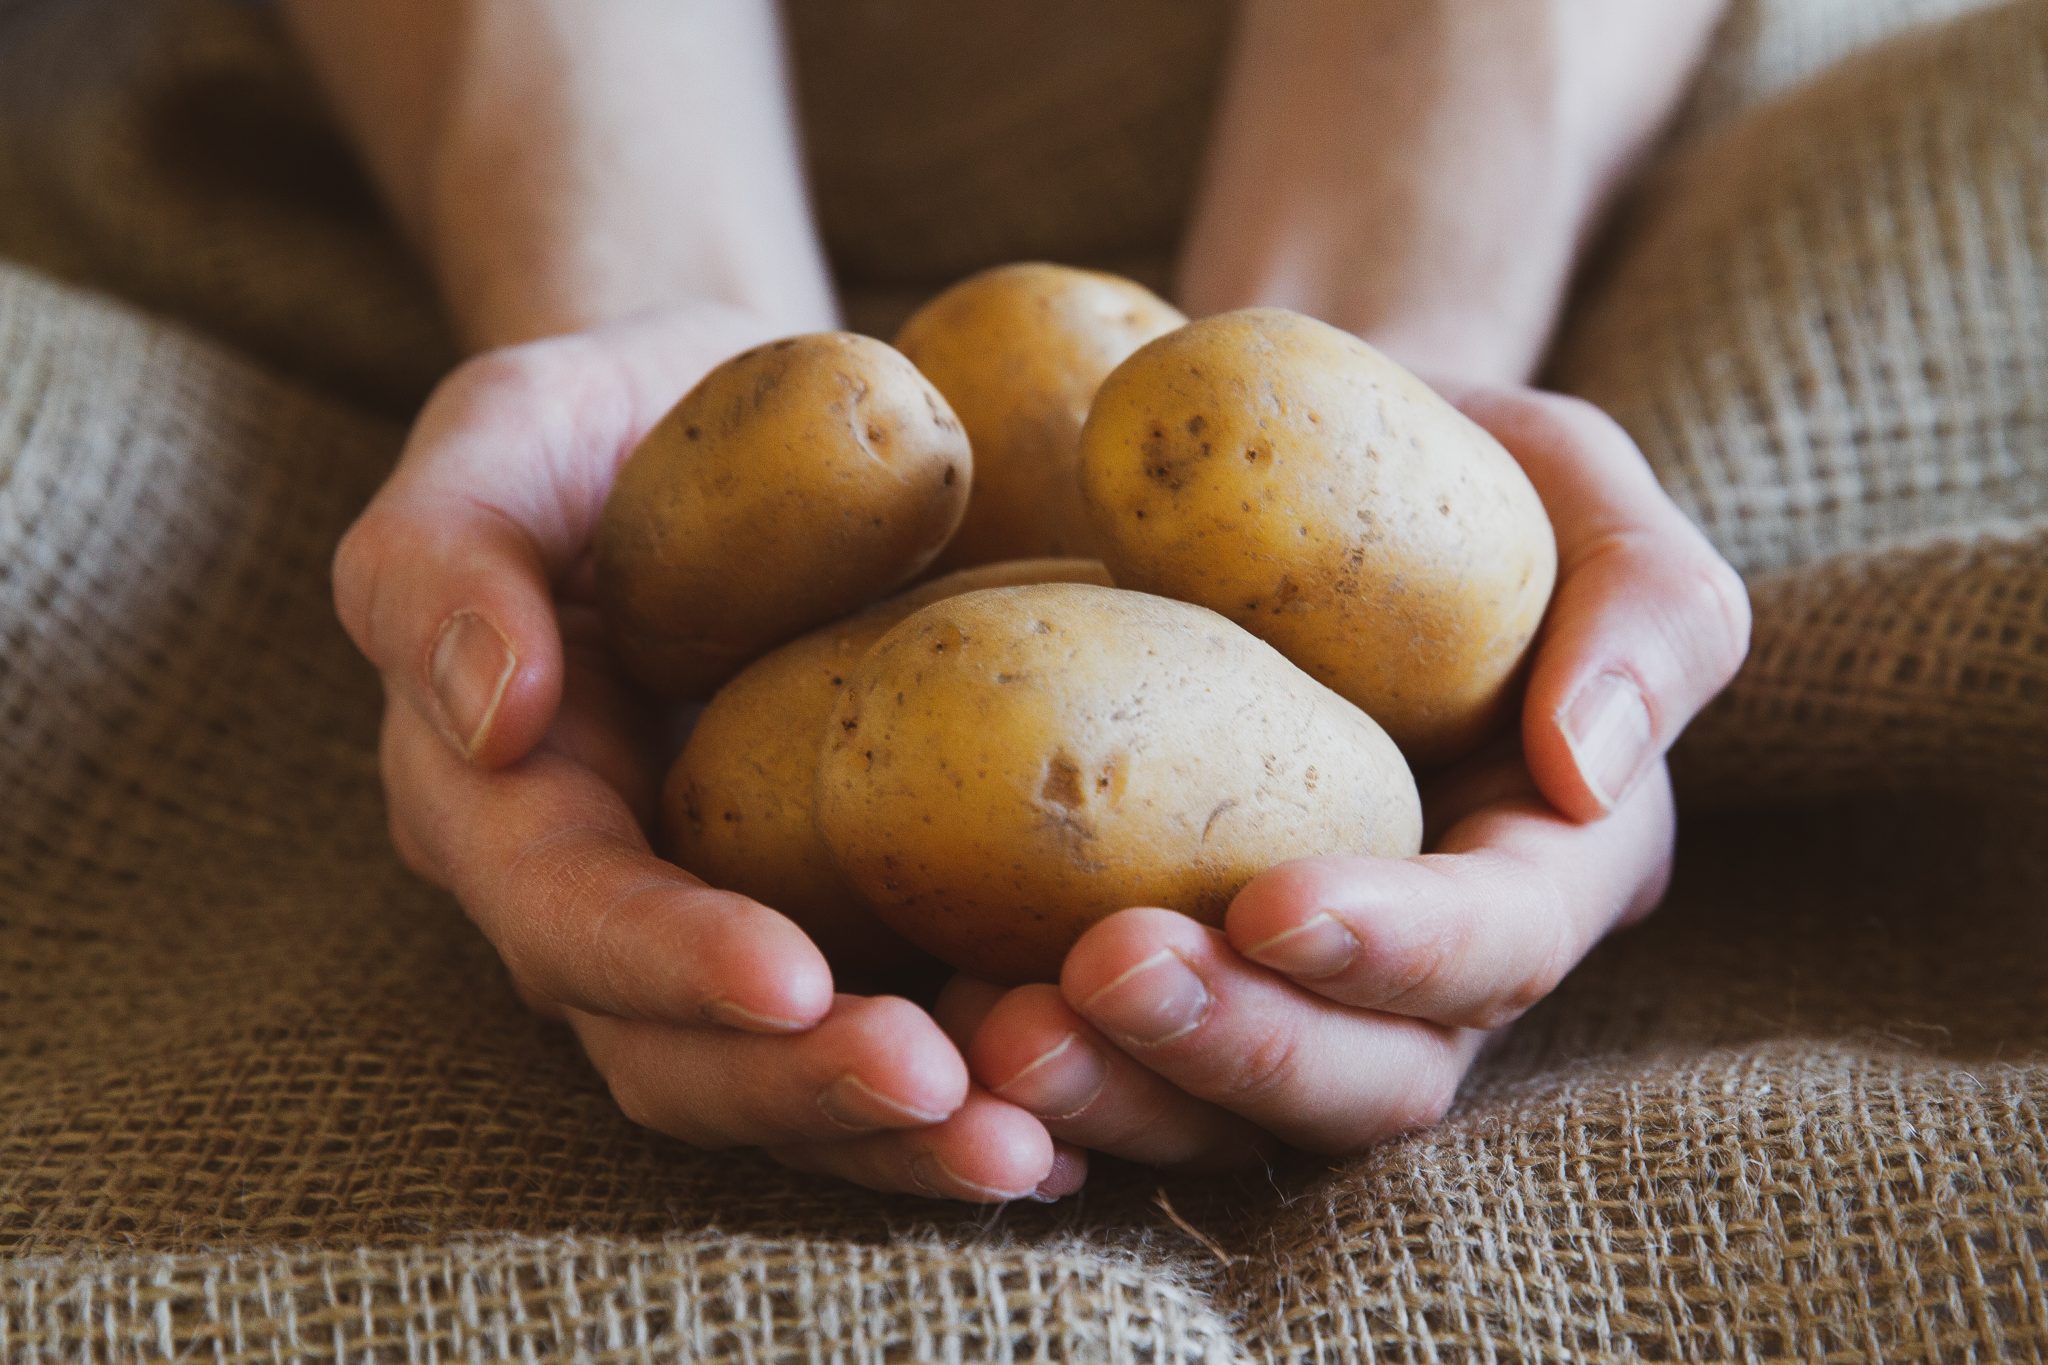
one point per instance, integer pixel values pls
(1648, 621)
(452, 604)
(446, 581)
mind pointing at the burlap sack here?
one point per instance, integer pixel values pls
(264, 1097)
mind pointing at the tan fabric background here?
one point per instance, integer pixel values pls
(264, 1097)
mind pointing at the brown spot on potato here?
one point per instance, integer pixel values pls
(692, 812)
(1062, 785)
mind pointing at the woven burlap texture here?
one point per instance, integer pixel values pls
(263, 1096)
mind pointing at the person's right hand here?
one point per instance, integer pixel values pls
(520, 772)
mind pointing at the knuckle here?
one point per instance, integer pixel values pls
(644, 1106)
(508, 388)
(1556, 955)
(535, 1001)
(511, 374)
(409, 849)
(635, 1101)
(1563, 422)
(1424, 1103)
(1422, 966)
(885, 1018)
(1723, 599)
(522, 964)
(616, 937)
(1265, 1068)
(354, 576)
(1568, 415)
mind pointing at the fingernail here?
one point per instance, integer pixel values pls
(1308, 952)
(1060, 1083)
(723, 1011)
(1069, 1172)
(852, 1103)
(1607, 725)
(933, 1176)
(1154, 1002)
(471, 666)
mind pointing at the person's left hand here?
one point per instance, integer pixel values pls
(1345, 997)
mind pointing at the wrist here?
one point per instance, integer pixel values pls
(561, 165)
(549, 260)
(1423, 172)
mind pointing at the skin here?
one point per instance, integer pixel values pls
(1008, 767)
(1289, 476)
(737, 805)
(825, 460)
(610, 200)
(1019, 351)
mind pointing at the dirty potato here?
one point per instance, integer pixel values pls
(1294, 479)
(1019, 351)
(1007, 767)
(737, 804)
(796, 482)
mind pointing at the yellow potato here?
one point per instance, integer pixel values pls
(1293, 478)
(1007, 767)
(796, 482)
(1019, 351)
(737, 804)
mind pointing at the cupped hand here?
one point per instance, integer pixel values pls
(1345, 997)
(520, 773)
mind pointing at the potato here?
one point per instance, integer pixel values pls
(1019, 351)
(737, 804)
(1007, 767)
(796, 482)
(1296, 480)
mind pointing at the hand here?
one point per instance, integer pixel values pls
(1345, 997)
(519, 775)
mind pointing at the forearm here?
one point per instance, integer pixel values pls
(560, 164)
(1424, 172)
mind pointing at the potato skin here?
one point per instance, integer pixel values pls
(1007, 767)
(796, 482)
(737, 803)
(1293, 478)
(1019, 351)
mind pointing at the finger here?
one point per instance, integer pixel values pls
(987, 1152)
(1068, 1174)
(1473, 934)
(550, 863)
(1034, 1051)
(1175, 996)
(1648, 621)
(873, 1063)
(962, 1004)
